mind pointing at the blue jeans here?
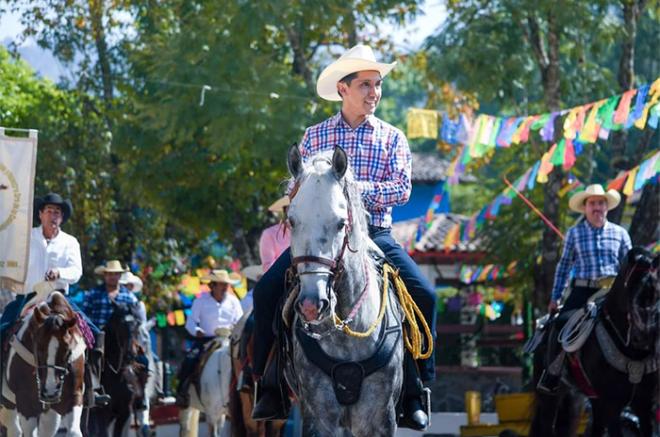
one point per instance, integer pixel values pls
(269, 290)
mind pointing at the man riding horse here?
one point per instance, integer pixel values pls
(210, 312)
(595, 248)
(97, 304)
(54, 256)
(381, 161)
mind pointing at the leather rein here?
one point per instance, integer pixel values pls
(334, 265)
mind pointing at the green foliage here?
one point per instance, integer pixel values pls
(500, 51)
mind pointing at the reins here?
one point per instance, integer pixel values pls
(412, 335)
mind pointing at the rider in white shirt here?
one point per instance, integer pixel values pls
(215, 310)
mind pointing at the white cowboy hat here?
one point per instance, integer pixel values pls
(280, 204)
(112, 266)
(222, 276)
(130, 278)
(359, 58)
(253, 272)
(576, 202)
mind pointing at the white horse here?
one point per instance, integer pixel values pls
(346, 366)
(213, 398)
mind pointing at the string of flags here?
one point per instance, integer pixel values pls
(582, 125)
(631, 181)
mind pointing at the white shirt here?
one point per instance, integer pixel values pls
(207, 314)
(61, 253)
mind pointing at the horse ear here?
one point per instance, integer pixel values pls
(39, 313)
(339, 162)
(294, 160)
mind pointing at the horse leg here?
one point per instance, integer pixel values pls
(216, 426)
(599, 418)
(142, 417)
(49, 423)
(568, 416)
(9, 419)
(186, 418)
(72, 421)
(121, 423)
(28, 425)
(642, 406)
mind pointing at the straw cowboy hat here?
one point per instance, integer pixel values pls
(112, 266)
(222, 276)
(53, 199)
(280, 204)
(253, 272)
(129, 278)
(359, 58)
(576, 202)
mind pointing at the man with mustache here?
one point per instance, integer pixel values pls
(594, 249)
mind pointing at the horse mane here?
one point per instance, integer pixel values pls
(321, 165)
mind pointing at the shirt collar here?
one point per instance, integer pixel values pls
(41, 233)
(593, 228)
(338, 121)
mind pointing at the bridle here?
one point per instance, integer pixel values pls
(335, 266)
(635, 268)
(60, 372)
(125, 357)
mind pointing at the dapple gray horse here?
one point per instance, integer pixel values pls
(339, 288)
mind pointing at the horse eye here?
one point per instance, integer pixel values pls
(341, 225)
(292, 223)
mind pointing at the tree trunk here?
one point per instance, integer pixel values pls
(548, 61)
(646, 222)
(300, 65)
(626, 79)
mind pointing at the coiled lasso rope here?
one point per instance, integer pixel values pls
(412, 336)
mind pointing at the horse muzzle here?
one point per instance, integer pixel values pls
(313, 310)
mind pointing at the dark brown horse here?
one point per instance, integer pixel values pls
(124, 374)
(45, 372)
(619, 360)
(242, 400)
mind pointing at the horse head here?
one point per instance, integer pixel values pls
(123, 327)
(637, 283)
(327, 222)
(54, 343)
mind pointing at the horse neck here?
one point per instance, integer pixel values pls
(358, 274)
(617, 304)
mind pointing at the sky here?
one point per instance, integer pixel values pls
(408, 38)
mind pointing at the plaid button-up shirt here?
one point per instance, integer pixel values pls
(594, 252)
(379, 156)
(98, 306)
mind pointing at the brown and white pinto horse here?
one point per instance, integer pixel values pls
(43, 387)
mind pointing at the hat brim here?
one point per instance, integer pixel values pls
(66, 205)
(280, 204)
(576, 203)
(100, 270)
(326, 85)
(213, 278)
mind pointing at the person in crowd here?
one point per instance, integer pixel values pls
(210, 311)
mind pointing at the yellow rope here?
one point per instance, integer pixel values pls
(374, 325)
(412, 335)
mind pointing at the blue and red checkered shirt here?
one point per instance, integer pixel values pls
(379, 156)
(594, 252)
(98, 306)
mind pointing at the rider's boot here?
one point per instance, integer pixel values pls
(270, 403)
(415, 412)
(100, 399)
